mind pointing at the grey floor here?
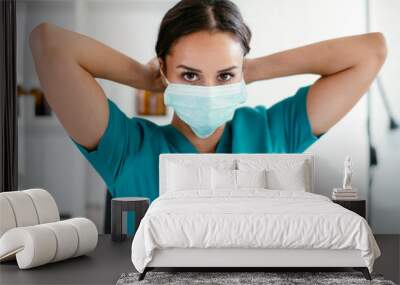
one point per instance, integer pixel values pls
(109, 260)
(389, 262)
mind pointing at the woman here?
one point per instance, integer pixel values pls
(201, 46)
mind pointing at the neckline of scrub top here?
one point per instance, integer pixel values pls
(184, 145)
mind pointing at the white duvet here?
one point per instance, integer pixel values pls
(251, 218)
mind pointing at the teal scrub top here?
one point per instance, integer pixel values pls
(127, 154)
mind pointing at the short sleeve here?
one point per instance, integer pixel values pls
(291, 115)
(120, 137)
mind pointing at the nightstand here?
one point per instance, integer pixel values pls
(357, 206)
(125, 204)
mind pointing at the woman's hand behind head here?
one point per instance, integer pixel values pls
(248, 70)
(153, 78)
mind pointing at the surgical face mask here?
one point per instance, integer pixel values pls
(204, 108)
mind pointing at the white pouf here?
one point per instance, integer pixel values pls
(40, 244)
(32, 233)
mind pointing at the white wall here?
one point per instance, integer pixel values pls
(47, 159)
(279, 25)
(287, 24)
(385, 194)
(131, 27)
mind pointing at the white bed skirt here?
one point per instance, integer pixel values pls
(252, 257)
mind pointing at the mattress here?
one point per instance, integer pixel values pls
(250, 218)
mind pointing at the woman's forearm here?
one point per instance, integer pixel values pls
(323, 58)
(95, 57)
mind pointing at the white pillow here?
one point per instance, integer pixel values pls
(183, 177)
(223, 179)
(231, 179)
(251, 178)
(221, 163)
(291, 178)
(285, 174)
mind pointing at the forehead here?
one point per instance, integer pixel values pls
(205, 50)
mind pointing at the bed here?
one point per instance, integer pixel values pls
(245, 211)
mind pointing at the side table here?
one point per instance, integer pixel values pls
(122, 204)
(357, 206)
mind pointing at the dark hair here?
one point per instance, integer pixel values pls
(189, 16)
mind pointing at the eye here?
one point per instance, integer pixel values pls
(226, 76)
(189, 76)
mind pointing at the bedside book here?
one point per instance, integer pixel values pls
(344, 194)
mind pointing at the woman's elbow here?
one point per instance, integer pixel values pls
(42, 41)
(378, 46)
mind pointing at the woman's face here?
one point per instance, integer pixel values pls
(205, 58)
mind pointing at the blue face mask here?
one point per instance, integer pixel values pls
(204, 108)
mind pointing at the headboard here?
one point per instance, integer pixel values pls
(213, 158)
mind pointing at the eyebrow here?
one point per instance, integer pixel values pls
(198, 70)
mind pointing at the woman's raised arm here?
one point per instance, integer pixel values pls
(67, 64)
(347, 66)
